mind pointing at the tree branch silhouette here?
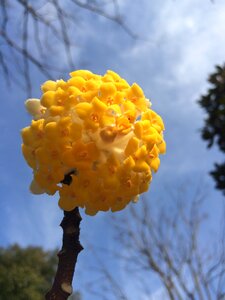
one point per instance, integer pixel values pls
(28, 38)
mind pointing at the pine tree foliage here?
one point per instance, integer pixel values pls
(214, 128)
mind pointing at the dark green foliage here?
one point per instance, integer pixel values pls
(26, 273)
(214, 129)
(219, 176)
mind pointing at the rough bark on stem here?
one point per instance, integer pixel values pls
(71, 247)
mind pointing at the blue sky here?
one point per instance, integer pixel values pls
(180, 43)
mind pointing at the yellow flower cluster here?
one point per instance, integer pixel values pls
(94, 139)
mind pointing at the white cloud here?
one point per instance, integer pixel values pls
(188, 35)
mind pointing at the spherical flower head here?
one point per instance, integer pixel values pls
(94, 139)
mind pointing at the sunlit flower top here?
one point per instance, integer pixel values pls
(94, 139)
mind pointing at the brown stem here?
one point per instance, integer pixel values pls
(71, 247)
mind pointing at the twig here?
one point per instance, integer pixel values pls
(62, 286)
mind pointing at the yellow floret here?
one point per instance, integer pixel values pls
(49, 85)
(82, 73)
(132, 146)
(155, 164)
(114, 75)
(56, 110)
(136, 90)
(48, 99)
(83, 109)
(77, 82)
(107, 89)
(51, 130)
